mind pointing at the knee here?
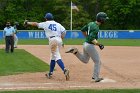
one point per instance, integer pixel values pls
(97, 62)
(85, 61)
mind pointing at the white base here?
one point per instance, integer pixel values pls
(105, 80)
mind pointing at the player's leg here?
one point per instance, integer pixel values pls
(52, 46)
(83, 57)
(7, 44)
(93, 53)
(15, 41)
(59, 59)
(12, 44)
(62, 66)
(55, 44)
(57, 52)
(52, 66)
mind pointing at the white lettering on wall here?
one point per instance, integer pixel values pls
(116, 34)
(31, 34)
(105, 34)
(108, 34)
(100, 34)
(42, 34)
(36, 35)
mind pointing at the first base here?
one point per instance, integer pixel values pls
(106, 80)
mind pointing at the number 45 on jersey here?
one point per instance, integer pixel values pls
(52, 27)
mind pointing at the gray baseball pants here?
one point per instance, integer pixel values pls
(89, 51)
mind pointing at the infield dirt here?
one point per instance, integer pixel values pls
(119, 63)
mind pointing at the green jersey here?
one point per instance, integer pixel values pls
(92, 30)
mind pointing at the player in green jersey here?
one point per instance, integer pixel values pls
(90, 31)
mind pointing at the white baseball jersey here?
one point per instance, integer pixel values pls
(53, 31)
(52, 28)
(9, 31)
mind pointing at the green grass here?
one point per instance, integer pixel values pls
(20, 62)
(106, 42)
(120, 42)
(79, 91)
(29, 41)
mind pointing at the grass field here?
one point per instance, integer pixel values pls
(106, 42)
(20, 62)
(79, 91)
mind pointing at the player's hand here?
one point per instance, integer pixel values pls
(101, 46)
(25, 23)
(62, 44)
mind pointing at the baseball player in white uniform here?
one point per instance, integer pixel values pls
(15, 35)
(55, 32)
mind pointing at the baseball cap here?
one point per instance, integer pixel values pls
(48, 16)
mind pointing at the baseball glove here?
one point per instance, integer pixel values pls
(101, 46)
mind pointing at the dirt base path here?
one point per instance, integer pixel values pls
(120, 68)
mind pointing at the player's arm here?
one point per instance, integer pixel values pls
(26, 23)
(32, 23)
(63, 31)
(63, 35)
(84, 30)
(84, 33)
(95, 42)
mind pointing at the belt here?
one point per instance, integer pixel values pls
(52, 36)
(90, 43)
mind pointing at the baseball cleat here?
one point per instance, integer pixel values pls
(15, 46)
(66, 72)
(97, 80)
(48, 75)
(72, 50)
